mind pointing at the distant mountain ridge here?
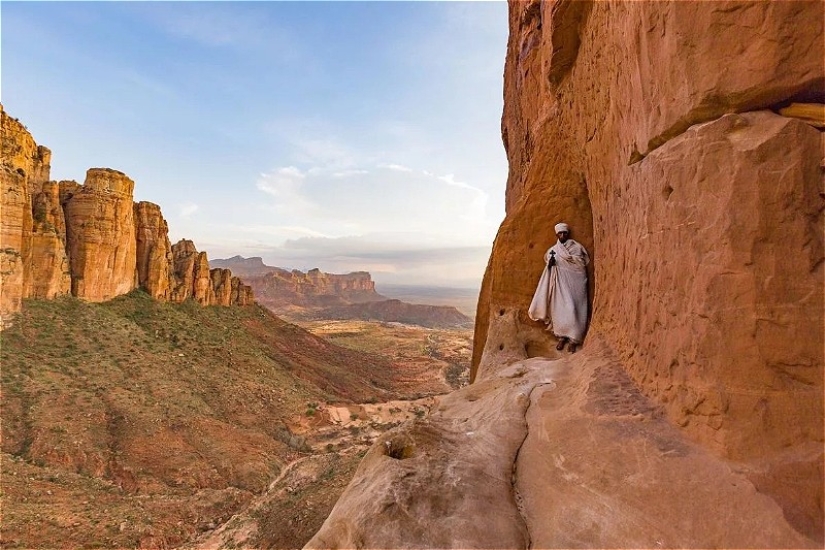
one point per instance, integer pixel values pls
(319, 295)
(396, 311)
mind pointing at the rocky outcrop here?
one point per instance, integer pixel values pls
(192, 271)
(700, 205)
(664, 134)
(195, 280)
(51, 274)
(15, 238)
(280, 289)
(100, 236)
(154, 251)
(552, 453)
(658, 140)
(89, 240)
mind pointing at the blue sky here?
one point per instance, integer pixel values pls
(340, 135)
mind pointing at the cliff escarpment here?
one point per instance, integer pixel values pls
(656, 130)
(315, 295)
(278, 288)
(682, 142)
(91, 240)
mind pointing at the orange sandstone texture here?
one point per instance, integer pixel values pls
(154, 251)
(89, 240)
(100, 236)
(15, 240)
(693, 415)
(650, 128)
(653, 128)
(50, 270)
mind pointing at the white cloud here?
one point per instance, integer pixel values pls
(186, 210)
(390, 200)
(396, 167)
(344, 173)
(286, 186)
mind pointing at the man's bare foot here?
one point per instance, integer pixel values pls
(572, 348)
(560, 345)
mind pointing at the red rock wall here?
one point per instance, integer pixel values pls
(50, 268)
(15, 240)
(91, 240)
(100, 236)
(651, 128)
(222, 285)
(154, 251)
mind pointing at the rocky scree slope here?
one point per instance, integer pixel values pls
(683, 143)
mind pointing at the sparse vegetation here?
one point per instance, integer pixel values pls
(126, 410)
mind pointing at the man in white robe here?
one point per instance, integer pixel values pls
(561, 296)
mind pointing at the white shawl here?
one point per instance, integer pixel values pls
(561, 295)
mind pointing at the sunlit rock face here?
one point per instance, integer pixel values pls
(663, 133)
(50, 269)
(90, 240)
(650, 128)
(15, 234)
(23, 165)
(154, 251)
(100, 236)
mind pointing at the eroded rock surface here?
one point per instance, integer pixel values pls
(89, 240)
(444, 481)
(100, 236)
(555, 452)
(666, 134)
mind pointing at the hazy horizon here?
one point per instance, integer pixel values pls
(347, 136)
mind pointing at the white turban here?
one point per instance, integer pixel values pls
(562, 227)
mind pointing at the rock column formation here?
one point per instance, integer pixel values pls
(51, 275)
(100, 236)
(154, 251)
(90, 240)
(682, 142)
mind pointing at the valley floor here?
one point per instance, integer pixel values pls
(134, 423)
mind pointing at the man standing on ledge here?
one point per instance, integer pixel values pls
(561, 296)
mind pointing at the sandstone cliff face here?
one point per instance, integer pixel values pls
(646, 125)
(15, 238)
(662, 132)
(100, 236)
(154, 251)
(89, 240)
(50, 268)
(278, 288)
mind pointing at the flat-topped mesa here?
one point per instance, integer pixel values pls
(89, 240)
(331, 282)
